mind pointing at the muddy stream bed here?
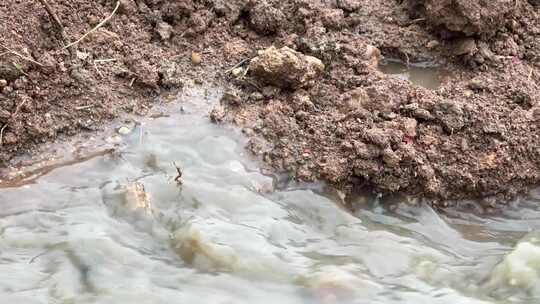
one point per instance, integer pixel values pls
(118, 229)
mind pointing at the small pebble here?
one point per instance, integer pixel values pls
(196, 58)
(237, 72)
(3, 83)
(123, 130)
(432, 44)
(468, 93)
(115, 139)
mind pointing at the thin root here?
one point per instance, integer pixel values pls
(85, 107)
(10, 51)
(239, 64)
(95, 28)
(104, 60)
(2, 134)
(18, 67)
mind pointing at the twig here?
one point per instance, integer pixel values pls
(101, 61)
(52, 14)
(84, 107)
(415, 21)
(178, 178)
(408, 59)
(37, 256)
(18, 109)
(98, 71)
(18, 67)
(10, 118)
(2, 134)
(239, 64)
(95, 28)
(104, 60)
(56, 20)
(19, 55)
(250, 82)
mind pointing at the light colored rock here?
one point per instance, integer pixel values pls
(432, 44)
(136, 198)
(372, 55)
(3, 83)
(82, 55)
(200, 251)
(171, 74)
(237, 72)
(464, 46)
(285, 67)
(196, 58)
(123, 130)
(355, 99)
(164, 30)
(409, 127)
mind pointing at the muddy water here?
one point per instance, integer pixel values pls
(425, 74)
(117, 228)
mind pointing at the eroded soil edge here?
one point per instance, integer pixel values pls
(341, 120)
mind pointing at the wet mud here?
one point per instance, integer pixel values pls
(333, 115)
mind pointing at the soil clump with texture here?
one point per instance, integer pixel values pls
(303, 83)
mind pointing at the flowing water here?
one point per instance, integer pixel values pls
(117, 228)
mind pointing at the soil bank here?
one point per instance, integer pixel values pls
(476, 136)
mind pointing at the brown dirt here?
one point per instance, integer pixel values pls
(476, 136)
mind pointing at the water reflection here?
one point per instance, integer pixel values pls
(425, 74)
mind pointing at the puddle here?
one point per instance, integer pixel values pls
(118, 229)
(427, 74)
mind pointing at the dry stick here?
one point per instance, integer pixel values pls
(18, 109)
(95, 28)
(10, 51)
(2, 134)
(84, 107)
(178, 178)
(102, 61)
(56, 20)
(10, 118)
(98, 71)
(239, 64)
(51, 13)
(18, 67)
(105, 60)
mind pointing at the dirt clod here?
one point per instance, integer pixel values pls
(164, 30)
(266, 19)
(349, 5)
(285, 68)
(468, 17)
